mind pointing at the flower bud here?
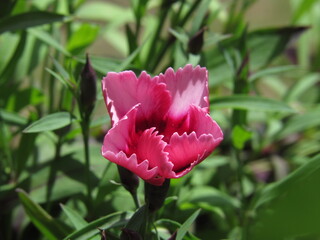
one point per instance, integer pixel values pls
(88, 88)
(129, 180)
(196, 42)
(155, 195)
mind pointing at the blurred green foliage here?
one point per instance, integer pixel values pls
(261, 183)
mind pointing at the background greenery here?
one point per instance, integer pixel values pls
(263, 59)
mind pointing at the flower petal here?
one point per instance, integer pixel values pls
(186, 151)
(142, 153)
(189, 149)
(188, 86)
(116, 144)
(201, 123)
(150, 146)
(124, 90)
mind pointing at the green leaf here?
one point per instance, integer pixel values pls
(131, 39)
(62, 71)
(301, 86)
(50, 122)
(207, 194)
(24, 97)
(48, 39)
(9, 69)
(118, 219)
(240, 136)
(102, 64)
(12, 118)
(300, 123)
(288, 209)
(186, 225)
(77, 221)
(271, 71)
(199, 16)
(250, 103)
(29, 19)
(267, 44)
(263, 45)
(126, 62)
(180, 35)
(82, 38)
(49, 227)
(302, 9)
(137, 221)
(59, 77)
(105, 11)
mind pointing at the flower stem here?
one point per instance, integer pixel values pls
(85, 135)
(154, 197)
(136, 199)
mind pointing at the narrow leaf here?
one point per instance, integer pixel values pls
(50, 122)
(29, 19)
(250, 103)
(77, 221)
(186, 225)
(300, 123)
(130, 58)
(271, 71)
(49, 40)
(49, 227)
(136, 223)
(266, 44)
(117, 219)
(301, 86)
(12, 118)
(59, 77)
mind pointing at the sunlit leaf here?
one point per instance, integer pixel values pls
(250, 103)
(82, 38)
(50, 122)
(303, 8)
(240, 136)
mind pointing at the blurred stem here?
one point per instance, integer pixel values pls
(153, 47)
(149, 223)
(239, 117)
(53, 173)
(136, 200)
(154, 198)
(8, 166)
(166, 44)
(85, 135)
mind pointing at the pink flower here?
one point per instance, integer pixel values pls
(161, 127)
